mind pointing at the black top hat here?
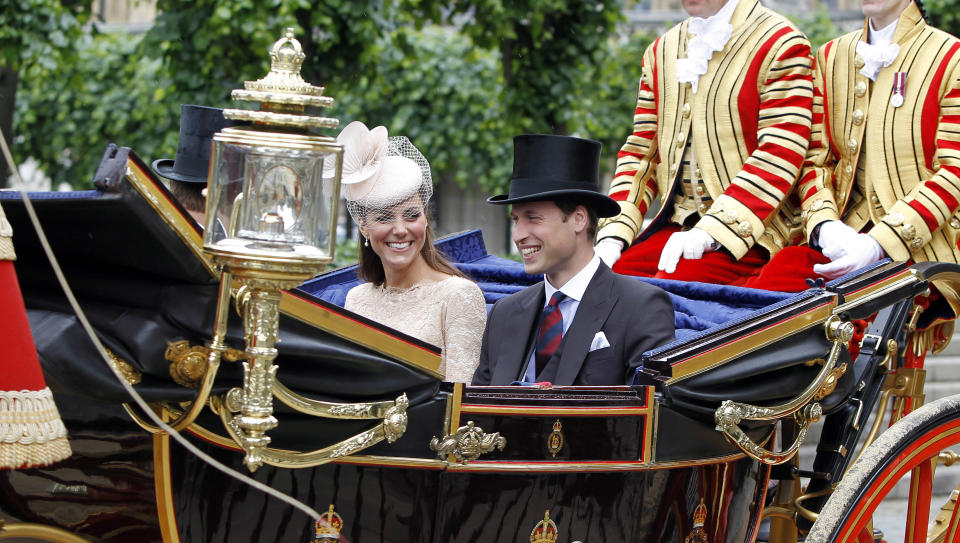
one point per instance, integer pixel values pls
(198, 124)
(549, 167)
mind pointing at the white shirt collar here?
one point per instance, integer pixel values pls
(577, 285)
(710, 35)
(884, 35)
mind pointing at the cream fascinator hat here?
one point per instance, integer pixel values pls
(380, 172)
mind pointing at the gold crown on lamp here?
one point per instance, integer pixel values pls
(283, 94)
(545, 531)
(328, 527)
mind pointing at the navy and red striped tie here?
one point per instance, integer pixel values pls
(551, 330)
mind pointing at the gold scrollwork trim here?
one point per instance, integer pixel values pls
(53, 534)
(468, 443)
(189, 364)
(391, 429)
(317, 408)
(130, 374)
(730, 413)
(584, 466)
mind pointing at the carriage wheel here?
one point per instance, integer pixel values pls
(911, 448)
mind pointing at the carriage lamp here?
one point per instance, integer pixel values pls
(270, 219)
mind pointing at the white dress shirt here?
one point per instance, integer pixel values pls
(574, 290)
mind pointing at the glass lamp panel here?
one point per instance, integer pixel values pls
(272, 197)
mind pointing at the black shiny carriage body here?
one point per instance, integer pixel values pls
(611, 464)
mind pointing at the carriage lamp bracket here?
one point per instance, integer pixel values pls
(393, 424)
(804, 408)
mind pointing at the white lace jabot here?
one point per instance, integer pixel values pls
(709, 36)
(450, 314)
(880, 52)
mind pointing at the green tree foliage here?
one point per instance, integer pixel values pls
(548, 49)
(34, 32)
(818, 26)
(944, 14)
(40, 31)
(442, 93)
(108, 93)
(460, 91)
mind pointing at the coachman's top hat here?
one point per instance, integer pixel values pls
(198, 124)
(547, 167)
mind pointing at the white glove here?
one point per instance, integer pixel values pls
(847, 249)
(609, 249)
(690, 244)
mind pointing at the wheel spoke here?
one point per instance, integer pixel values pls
(918, 511)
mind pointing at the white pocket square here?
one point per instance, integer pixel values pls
(599, 342)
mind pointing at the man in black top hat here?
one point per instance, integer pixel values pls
(187, 173)
(584, 324)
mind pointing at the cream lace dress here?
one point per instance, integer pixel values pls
(450, 313)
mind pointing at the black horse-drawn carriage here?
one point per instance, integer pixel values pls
(370, 436)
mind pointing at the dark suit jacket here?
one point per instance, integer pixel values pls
(634, 316)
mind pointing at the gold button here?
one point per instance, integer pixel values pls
(858, 116)
(729, 217)
(841, 195)
(817, 205)
(955, 224)
(874, 199)
(686, 110)
(681, 137)
(702, 208)
(916, 243)
(852, 145)
(744, 229)
(674, 167)
(858, 61)
(848, 169)
(908, 231)
(696, 172)
(700, 189)
(860, 88)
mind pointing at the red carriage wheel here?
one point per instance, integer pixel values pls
(911, 448)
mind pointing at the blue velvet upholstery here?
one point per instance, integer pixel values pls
(698, 306)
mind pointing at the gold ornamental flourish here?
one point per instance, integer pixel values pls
(189, 364)
(468, 443)
(804, 408)
(131, 374)
(392, 428)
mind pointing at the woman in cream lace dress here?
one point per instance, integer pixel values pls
(409, 285)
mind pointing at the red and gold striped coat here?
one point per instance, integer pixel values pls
(912, 152)
(750, 124)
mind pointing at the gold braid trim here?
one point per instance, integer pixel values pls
(31, 432)
(6, 249)
(6, 238)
